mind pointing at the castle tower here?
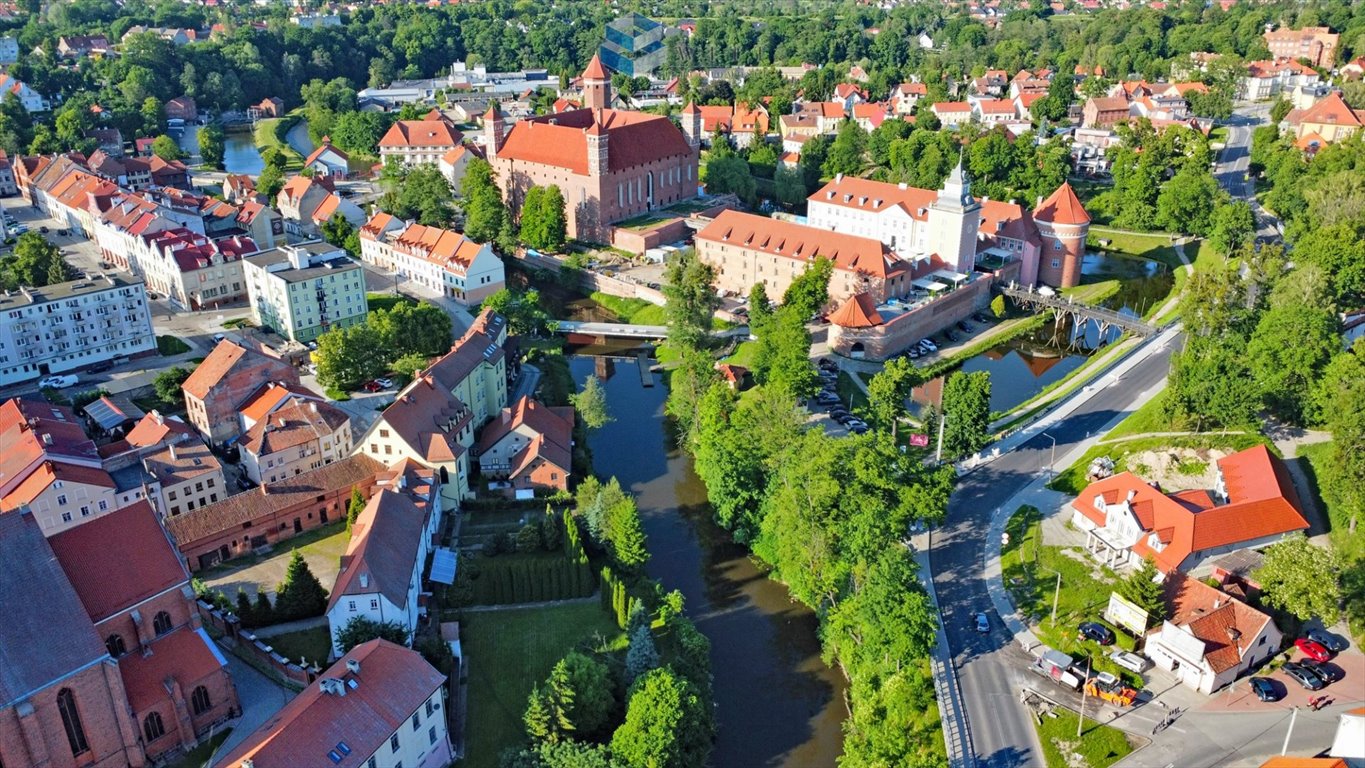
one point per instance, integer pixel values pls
(691, 124)
(954, 219)
(596, 85)
(597, 147)
(1063, 225)
(493, 133)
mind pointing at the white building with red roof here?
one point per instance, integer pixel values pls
(193, 271)
(50, 466)
(1127, 520)
(443, 262)
(414, 142)
(31, 100)
(951, 114)
(610, 164)
(530, 445)
(381, 704)
(1209, 638)
(1269, 77)
(739, 122)
(905, 97)
(1328, 121)
(308, 203)
(327, 160)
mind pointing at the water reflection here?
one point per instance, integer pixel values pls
(240, 155)
(777, 703)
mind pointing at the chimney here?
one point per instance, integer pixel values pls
(1132, 494)
(47, 438)
(172, 447)
(903, 185)
(1039, 203)
(314, 406)
(838, 177)
(353, 666)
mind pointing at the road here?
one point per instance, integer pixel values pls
(1235, 160)
(991, 668)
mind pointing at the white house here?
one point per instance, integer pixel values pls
(298, 437)
(952, 113)
(453, 164)
(327, 160)
(1211, 638)
(444, 262)
(29, 98)
(9, 50)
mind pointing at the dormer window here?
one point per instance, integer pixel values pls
(1099, 502)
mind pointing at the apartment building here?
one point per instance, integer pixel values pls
(305, 290)
(439, 260)
(415, 142)
(64, 327)
(218, 387)
(1316, 44)
(193, 271)
(299, 437)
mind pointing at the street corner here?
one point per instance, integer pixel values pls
(1348, 666)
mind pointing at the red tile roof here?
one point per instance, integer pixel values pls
(1331, 110)
(269, 397)
(386, 539)
(421, 134)
(857, 312)
(185, 654)
(1062, 207)
(392, 684)
(798, 241)
(595, 70)
(560, 140)
(33, 432)
(1214, 617)
(118, 560)
(552, 429)
(326, 146)
(420, 416)
(297, 423)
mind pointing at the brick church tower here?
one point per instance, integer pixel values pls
(1063, 225)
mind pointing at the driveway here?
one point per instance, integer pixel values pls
(259, 697)
(322, 555)
(1350, 689)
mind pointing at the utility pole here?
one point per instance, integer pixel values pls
(1056, 594)
(1081, 722)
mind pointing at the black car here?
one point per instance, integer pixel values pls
(1299, 674)
(965, 327)
(1098, 632)
(1326, 674)
(100, 367)
(1327, 640)
(1264, 689)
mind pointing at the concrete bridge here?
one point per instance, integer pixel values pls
(1105, 318)
(611, 330)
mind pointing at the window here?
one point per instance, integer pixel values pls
(431, 735)
(115, 645)
(71, 720)
(416, 720)
(1056, 245)
(162, 623)
(85, 510)
(352, 605)
(374, 763)
(430, 708)
(374, 605)
(200, 701)
(171, 496)
(393, 742)
(61, 499)
(152, 727)
(104, 505)
(66, 517)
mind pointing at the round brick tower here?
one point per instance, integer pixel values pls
(1063, 224)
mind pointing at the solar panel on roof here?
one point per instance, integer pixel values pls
(443, 566)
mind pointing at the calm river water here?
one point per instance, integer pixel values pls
(777, 703)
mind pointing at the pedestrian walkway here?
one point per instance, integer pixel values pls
(258, 696)
(284, 628)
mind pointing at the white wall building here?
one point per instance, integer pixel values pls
(299, 437)
(443, 262)
(64, 327)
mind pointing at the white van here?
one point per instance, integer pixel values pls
(1130, 661)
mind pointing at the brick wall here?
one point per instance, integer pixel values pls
(908, 328)
(31, 732)
(218, 419)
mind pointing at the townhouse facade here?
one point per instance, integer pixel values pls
(439, 260)
(299, 437)
(417, 142)
(217, 387)
(64, 327)
(189, 476)
(305, 290)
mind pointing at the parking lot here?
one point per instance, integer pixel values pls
(1350, 664)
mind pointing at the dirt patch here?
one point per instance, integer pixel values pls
(1177, 469)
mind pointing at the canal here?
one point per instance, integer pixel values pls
(240, 155)
(777, 703)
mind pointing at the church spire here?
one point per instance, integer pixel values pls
(957, 188)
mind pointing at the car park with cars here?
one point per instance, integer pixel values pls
(1312, 649)
(1327, 640)
(1326, 674)
(1302, 676)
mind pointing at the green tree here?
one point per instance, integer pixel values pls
(888, 615)
(270, 182)
(624, 535)
(1301, 578)
(362, 629)
(789, 184)
(1279, 109)
(593, 692)
(1233, 226)
(590, 403)
(425, 195)
(888, 390)
(785, 348)
(846, 153)
(422, 328)
(691, 299)
(212, 145)
(348, 357)
(1183, 204)
(337, 230)
(410, 364)
(1142, 589)
(165, 148)
(481, 202)
(667, 724)
(167, 384)
(728, 172)
(300, 595)
(809, 292)
(641, 655)
(966, 413)
(543, 225)
(359, 132)
(1287, 352)
(525, 316)
(354, 507)
(1211, 385)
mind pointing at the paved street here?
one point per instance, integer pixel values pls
(259, 696)
(1235, 159)
(991, 667)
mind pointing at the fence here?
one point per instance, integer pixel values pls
(255, 651)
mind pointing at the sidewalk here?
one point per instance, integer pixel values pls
(957, 736)
(274, 630)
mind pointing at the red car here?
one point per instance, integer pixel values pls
(374, 386)
(1312, 650)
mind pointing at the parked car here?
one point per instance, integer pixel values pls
(99, 367)
(1264, 689)
(1312, 649)
(58, 382)
(982, 622)
(386, 383)
(965, 327)
(373, 386)
(929, 345)
(857, 428)
(1327, 640)
(1101, 634)
(217, 337)
(1326, 674)
(1303, 677)
(43, 230)
(1130, 661)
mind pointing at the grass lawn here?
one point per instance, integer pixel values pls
(743, 354)
(171, 345)
(386, 301)
(265, 136)
(1099, 746)
(1093, 293)
(1150, 418)
(1153, 246)
(508, 653)
(632, 311)
(314, 644)
(851, 393)
(199, 756)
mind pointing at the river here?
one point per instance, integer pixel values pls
(777, 703)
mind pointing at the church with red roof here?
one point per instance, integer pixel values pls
(610, 164)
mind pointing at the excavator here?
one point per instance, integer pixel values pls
(1110, 689)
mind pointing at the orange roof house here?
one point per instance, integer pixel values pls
(1127, 520)
(1332, 119)
(1209, 637)
(530, 444)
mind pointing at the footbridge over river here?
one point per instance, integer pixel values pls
(627, 331)
(1034, 298)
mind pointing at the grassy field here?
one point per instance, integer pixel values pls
(266, 136)
(313, 644)
(743, 354)
(1148, 246)
(386, 301)
(508, 653)
(1100, 746)
(1093, 293)
(170, 345)
(632, 311)
(851, 393)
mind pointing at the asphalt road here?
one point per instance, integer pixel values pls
(991, 668)
(1235, 160)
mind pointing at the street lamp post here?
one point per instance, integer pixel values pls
(1052, 457)
(1080, 723)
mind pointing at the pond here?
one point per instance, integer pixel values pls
(1019, 368)
(777, 703)
(1143, 283)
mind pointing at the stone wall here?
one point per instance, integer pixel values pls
(887, 339)
(258, 651)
